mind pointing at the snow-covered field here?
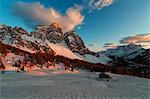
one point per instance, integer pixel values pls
(51, 84)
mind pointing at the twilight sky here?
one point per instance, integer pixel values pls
(101, 23)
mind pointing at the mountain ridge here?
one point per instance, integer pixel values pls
(130, 53)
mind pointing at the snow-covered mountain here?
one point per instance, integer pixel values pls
(48, 39)
(129, 53)
(125, 51)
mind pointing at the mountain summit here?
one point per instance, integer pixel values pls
(52, 32)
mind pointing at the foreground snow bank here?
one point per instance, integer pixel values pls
(82, 85)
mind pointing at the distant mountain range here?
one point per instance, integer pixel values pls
(130, 53)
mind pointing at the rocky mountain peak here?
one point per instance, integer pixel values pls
(133, 46)
(55, 26)
(48, 28)
(20, 30)
(75, 43)
(52, 33)
(2, 26)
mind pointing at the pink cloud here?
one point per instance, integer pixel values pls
(35, 13)
(141, 38)
(110, 45)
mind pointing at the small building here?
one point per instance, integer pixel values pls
(103, 77)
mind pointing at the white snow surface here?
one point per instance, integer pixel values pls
(23, 48)
(71, 38)
(62, 49)
(91, 58)
(44, 84)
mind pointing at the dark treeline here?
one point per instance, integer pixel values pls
(42, 58)
(76, 63)
(97, 67)
(125, 67)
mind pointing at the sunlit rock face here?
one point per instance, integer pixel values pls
(9, 35)
(52, 33)
(20, 38)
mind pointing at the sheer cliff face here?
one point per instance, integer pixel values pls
(75, 43)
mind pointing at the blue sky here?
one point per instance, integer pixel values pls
(122, 18)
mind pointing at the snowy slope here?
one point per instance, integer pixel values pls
(61, 49)
(91, 58)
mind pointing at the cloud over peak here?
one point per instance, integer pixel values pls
(35, 13)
